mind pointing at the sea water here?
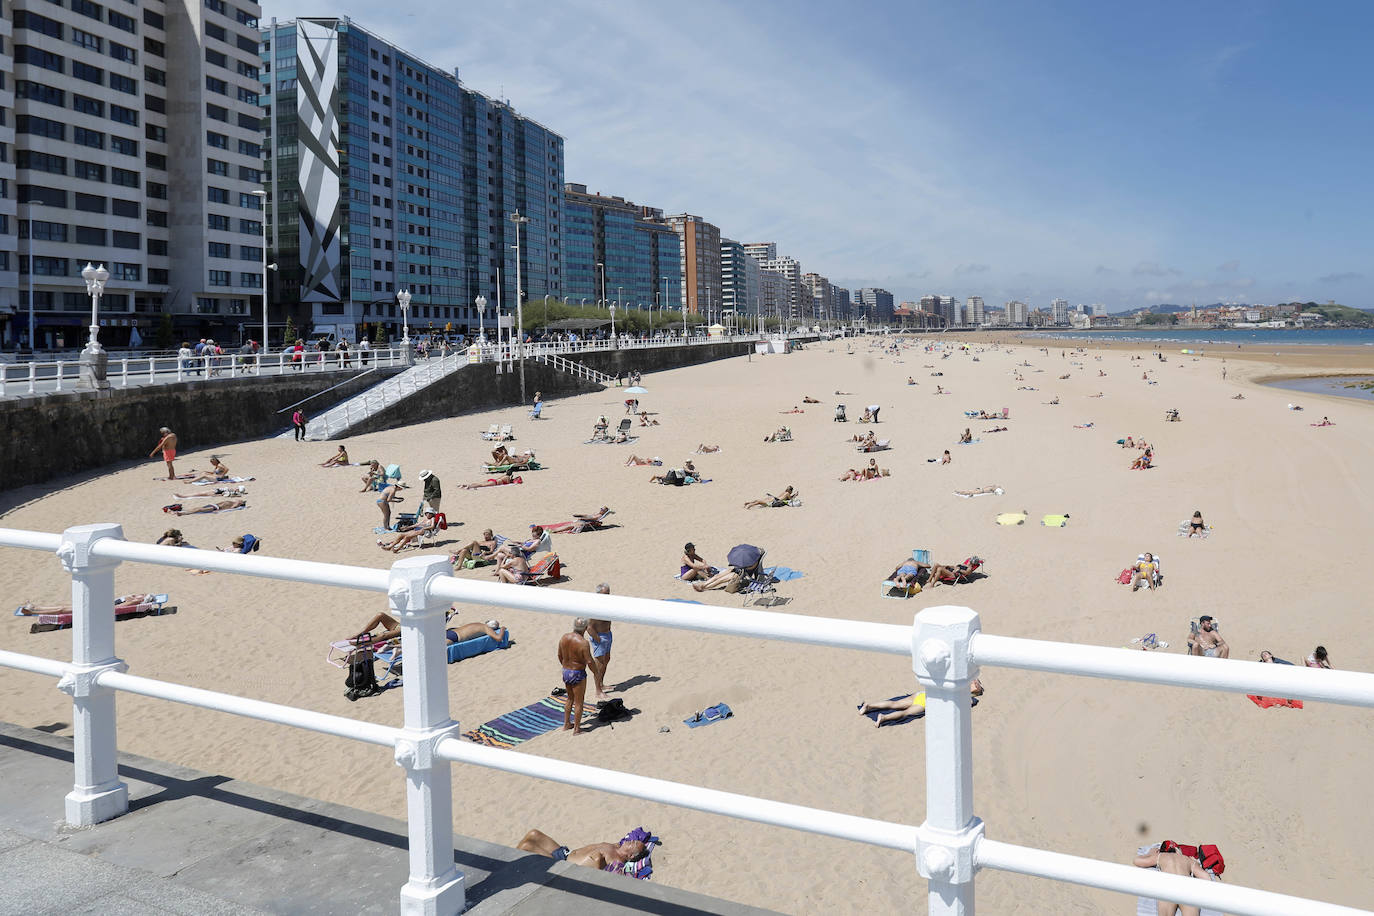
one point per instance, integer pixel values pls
(1203, 338)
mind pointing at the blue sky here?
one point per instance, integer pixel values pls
(1127, 154)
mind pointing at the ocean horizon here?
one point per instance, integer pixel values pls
(1333, 337)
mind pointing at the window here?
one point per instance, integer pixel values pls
(247, 44)
(248, 70)
(123, 115)
(219, 278)
(248, 95)
(91, 171)
(250, 227)
(155, 76)
(87, 8)
(250, 201)
(218, 112)
(155, 190)
(84, 71)
(155, 161)
(216, 58)
(154, 19)
(23, 19)
(87, 105)
(124, 207)
(250, 122)
(157, 247)
(251, 280)
(92, 138)
(246, 18)
(123, 84)
(124, 53)
(157, 218)
(122, 22)
(218, 6)
(157, 275)
(154, 47)
(248, 148)
(216, 195)
(124, 146)
(215, 31)
(218, 249)
(40, 162)
(155, 133)
(218, 141)
(217, 85)
(89, 202)
(250, 174)
(217, 167)
(26, 89)
(122, 271)
(46, 232)
(37, 57)
(86, 40)
(120, 239)
(89, 235)
(36, 194)
(217, 221)
(155, 103)
(50, 267)
(249, 253)
(123, 177)
(42, 127)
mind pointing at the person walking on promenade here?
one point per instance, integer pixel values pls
(574, 655)
(168, 445)
(298, 421)
(599, 641)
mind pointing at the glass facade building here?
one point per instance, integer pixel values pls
(386, 173)
(640, 256)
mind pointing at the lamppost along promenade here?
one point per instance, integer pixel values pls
(403, 300)
(519, 299)
(481, 303)
(94, 360)
(261, 195)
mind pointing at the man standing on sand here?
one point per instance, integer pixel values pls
(599, 641)
(574, 655)
(168, 444)
(433, 491)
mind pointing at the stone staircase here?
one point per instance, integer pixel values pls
(577, 369)
(336, 422)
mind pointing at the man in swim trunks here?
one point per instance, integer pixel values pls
(168, 445)
(1208, 641)
(597, 855)
(221, 506)
(574, 654)
(599, 641)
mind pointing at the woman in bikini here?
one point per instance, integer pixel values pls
(337, 461)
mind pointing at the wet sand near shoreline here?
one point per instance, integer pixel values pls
(1083, 766)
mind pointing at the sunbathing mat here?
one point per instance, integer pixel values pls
(521, 725)
(1054, 521)
(1270, 702)
(1012, 518)
(211, 483)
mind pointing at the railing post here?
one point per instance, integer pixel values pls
(33, 374)
(97, 794)
(947, 840)
(124, 373)
(436, 886)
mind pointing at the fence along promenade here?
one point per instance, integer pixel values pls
(945, 644)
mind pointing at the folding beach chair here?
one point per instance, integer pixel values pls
(388, 653)
(493, 433)
(431, 537)
(545, 566)
(962, 573)
(839, 414)
(624, 426)
(890, 589)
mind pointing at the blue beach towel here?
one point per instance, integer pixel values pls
(709, 715)
(519, 726)
(784, 574)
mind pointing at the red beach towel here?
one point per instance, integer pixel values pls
(1268, 702)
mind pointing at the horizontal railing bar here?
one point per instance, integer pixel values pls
(894, 639)
(30, 540)
(1129, 879)
(49, 666)
(308, 719)
(373, 580)
(1352, 688)
(713, 801)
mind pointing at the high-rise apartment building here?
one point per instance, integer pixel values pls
(135, 144)
(1017, 312)
(974, 311)
(388, 174)
(840, 297)
(763, 251)
(607, 242)
(773, 288)
(877, 304)
(700, 260)
(790, 305)
(1059, 311)
(741, 279)
(823, 298)
(951, 310)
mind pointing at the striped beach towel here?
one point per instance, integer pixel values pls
(521, 725)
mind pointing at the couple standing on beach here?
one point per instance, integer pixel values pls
(587, 646)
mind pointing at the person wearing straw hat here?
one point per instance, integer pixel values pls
(433, 493)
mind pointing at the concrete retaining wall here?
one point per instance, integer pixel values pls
(54, 435)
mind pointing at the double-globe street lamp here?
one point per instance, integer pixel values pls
(94, 360)
(481, 303)
(403, 300)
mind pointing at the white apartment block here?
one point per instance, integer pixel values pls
(790, 306)
(1059, 311)
(1017, 312)
(130, 138)
(974, 311)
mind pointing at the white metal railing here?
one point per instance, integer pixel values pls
(572, 368)
(945, 645)
(65, 375)
(343, 416)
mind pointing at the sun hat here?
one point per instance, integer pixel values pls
(426, 474)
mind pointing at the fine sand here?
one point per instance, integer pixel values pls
(1089, 767)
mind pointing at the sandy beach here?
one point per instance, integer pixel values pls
(1089, 767)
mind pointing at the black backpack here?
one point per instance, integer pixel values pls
(362, 679)
(612, 711)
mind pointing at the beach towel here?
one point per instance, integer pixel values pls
(507, 468)
(155, 606)
(1055, 521)
(1185, 526)
(478, 645)
(783, 573)
(709, 715)
(1270, 702)
(996, 492)
(874, 713)
(519, 726)
(971, 442)
(640, 868)
(211, 483)
(1012, 518)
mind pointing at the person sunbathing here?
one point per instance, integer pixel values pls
(781, 434)
(620, 437)
(172, 538)
(600, 427)
(907, 707)
(339, 459)
(809, 400)
(644, 419)
(967, 437)
(996, 429)
(597, 855)
(500, 455)
(1144, 462)
(1145, 571)
(218, 471)
(947, 573)
(1055, 401)
(1174, 863)
(407, 536)
(867, 438)
(581, 522)
(693, 566)
(728, 579)
(910, 380)
(239, 490)
(795, 409)
(372, 476)
(481, 549)
(515, 462)
(980, 491)
(1196, 526)
(1319, 658)
(515, 570)
(704, 449)
(1239, 397)
(909, 572)
(508, 478)
(391, 629)
(1326, 421)
(222, 506)
(636, 461)
(773, 502)
(121, 603)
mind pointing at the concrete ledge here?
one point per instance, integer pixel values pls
(195, 843)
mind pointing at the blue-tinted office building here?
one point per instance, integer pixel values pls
(386, 173)
(639, 255)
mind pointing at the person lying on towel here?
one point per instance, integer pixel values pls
(597, 855)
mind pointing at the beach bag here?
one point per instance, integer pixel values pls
(612, 711)
(1207, 854)
(1125, 577)
(362, 679)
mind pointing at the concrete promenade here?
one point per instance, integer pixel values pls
(193, 843)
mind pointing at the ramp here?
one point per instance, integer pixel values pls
(337, 421)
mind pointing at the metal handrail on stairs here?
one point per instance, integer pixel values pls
(573, 368)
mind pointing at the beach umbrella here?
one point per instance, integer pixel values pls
(744, 556)
(636, 389)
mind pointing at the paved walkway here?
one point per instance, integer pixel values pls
(207, 845)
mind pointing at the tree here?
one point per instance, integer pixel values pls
(163, 336)
(380, 339)
(289, 335)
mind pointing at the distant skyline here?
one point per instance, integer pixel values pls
(1104, 153)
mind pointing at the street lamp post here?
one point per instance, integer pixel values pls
(33, 341)
(403, 300)
(94, 360)
(615, 342)
(481, 303)
(519, 299)
(262, 196)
